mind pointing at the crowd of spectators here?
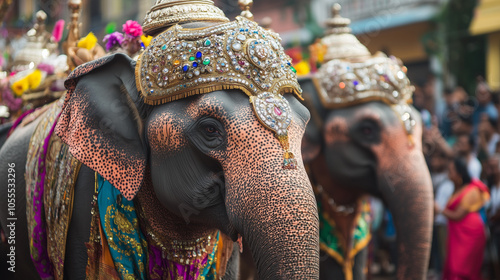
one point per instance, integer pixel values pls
(465, 132)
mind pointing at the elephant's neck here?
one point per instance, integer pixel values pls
(320, 175)
(166, 226)
(345, 224)
(170, 238)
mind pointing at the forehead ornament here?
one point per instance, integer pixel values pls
(182, 62)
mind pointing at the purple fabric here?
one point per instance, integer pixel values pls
(43, 264)
(10, 100)
(183, 270)
(19, 120)
(47, 68)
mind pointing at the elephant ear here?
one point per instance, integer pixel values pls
(101, 124)
(312, 141)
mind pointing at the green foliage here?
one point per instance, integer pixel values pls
(303, 15)
(110, 28)
(462, 54)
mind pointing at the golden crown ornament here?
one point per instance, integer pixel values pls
(166, 13)
(351, 75)
(181, 62)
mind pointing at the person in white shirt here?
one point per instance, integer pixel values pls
(443, 189)
(464, 148)
(488, 137)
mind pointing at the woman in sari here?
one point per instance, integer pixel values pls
(466, 235)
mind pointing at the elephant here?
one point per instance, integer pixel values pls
(365, 138)
(194, 164)
(364, 149)
(4, 130)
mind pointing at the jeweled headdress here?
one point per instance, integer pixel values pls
(166, 13)
(352, 75)
(39, 46)
(180, 62)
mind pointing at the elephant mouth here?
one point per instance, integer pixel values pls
(213, 195)
(231, 232)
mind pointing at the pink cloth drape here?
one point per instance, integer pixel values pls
(466, 240)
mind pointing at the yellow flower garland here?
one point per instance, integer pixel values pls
(34, 79)
(20, 87)
(88, 42)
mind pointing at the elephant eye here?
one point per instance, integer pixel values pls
(211, 130)
(207, 134)
(368, 130)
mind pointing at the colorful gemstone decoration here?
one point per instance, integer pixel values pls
(274, 112)
(219, 53)
(343, 83)
(260, 53)
(237, 46)
(238, 55)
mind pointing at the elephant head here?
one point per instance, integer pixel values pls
(180, 119)
(366, 149)
(365, 138)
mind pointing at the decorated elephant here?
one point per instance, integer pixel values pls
(151, 169)
(365, 139)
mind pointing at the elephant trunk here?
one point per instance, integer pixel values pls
(408, 193)
(275, 212)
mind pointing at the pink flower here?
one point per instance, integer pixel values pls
(132, 28)
(57, 33)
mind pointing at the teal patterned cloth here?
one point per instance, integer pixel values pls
(127, 244)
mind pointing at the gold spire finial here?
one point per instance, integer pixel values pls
(166, 13)
(337, 24)
(74, 29)
(39, 26)
(41, 16)
(336, 9)
(245, 6)
(340, 43)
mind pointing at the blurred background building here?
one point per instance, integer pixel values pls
(438, 40)
(486, 22)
